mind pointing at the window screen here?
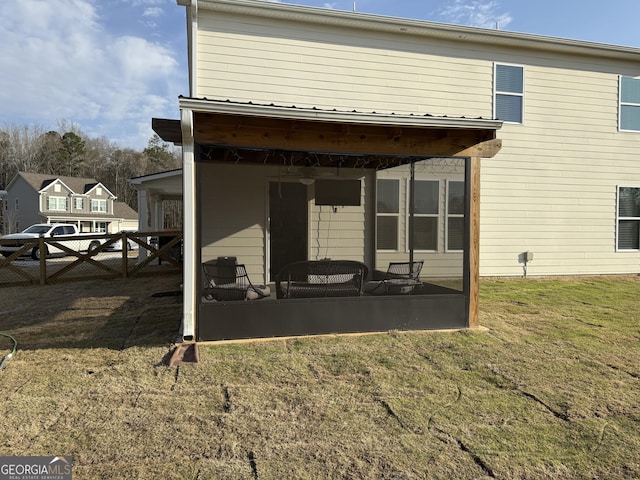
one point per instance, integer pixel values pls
(509, 91)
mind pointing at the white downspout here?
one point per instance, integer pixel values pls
(190, 289)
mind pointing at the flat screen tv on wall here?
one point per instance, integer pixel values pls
(338, 192)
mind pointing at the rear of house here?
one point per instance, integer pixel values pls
(570, 136)
(397, 115)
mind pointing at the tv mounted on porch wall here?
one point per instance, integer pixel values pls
(338, 192)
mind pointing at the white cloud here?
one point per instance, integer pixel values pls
(59, 62)
(477, 13)
(153, 12)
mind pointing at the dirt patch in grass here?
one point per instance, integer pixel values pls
(552, 391)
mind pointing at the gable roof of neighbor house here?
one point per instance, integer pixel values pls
(78, 185)
(410, 27)
(122, 210)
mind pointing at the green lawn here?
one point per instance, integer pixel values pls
(550, 391)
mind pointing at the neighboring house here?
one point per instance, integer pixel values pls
(153, 190)
(283, 94)
(39, 198)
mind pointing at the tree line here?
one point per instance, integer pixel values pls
(67, 151)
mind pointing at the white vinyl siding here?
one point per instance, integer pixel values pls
(274, 61)
(57, 204)
(509, 93)
(630, 104)
(551, 188)
(628, 221)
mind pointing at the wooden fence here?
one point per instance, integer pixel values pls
(121, 255)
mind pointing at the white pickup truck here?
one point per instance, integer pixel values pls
(72, 239)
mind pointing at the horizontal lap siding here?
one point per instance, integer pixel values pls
(232, 215)
(340, 233)
(552, 188)
(269, 61)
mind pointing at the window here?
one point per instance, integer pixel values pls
(101, 227)
(58, 204)
(57, 188)
(455, 216)
(508, 93)
(629, 116)
(79, 203)
(17, 204)
(628, 235)
(98, 205)
(426, 213)
(388, 207)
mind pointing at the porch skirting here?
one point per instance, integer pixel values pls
(317, 316)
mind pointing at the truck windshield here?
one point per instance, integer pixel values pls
(37, 229)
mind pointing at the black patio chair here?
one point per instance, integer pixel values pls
(401, 278)
(225, 280)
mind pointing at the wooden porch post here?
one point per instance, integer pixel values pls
(474, 244)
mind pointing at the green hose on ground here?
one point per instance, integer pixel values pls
(8, 356)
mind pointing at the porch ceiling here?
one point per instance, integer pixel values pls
(266, 134)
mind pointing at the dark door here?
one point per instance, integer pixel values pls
(288, 231)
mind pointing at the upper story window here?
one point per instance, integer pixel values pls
(508, 91)
(628, 235)
(57, 188)
(17, 204)
(388, 208)
(58, 204)
(426, 213)
(629, 116)
(79, 203)
(98, 205)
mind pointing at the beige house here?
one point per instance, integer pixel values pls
(284, 99)
(40, 198)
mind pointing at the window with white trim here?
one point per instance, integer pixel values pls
(99, 205)
(79, 203)
(57, 204)
(388, 213)
(629, 116)
(426, 214)
(101, 227)
(508, 88)
(455, 216)
(628, 222)
(57, 188)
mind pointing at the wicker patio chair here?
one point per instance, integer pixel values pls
(224, 280)
(401, 278)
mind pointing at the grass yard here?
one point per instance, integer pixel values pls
(550, 391)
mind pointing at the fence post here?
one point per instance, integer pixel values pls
(43, 261)
(125, 254)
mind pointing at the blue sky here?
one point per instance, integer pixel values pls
(109, 66)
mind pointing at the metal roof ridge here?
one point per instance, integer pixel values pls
(334, 115)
